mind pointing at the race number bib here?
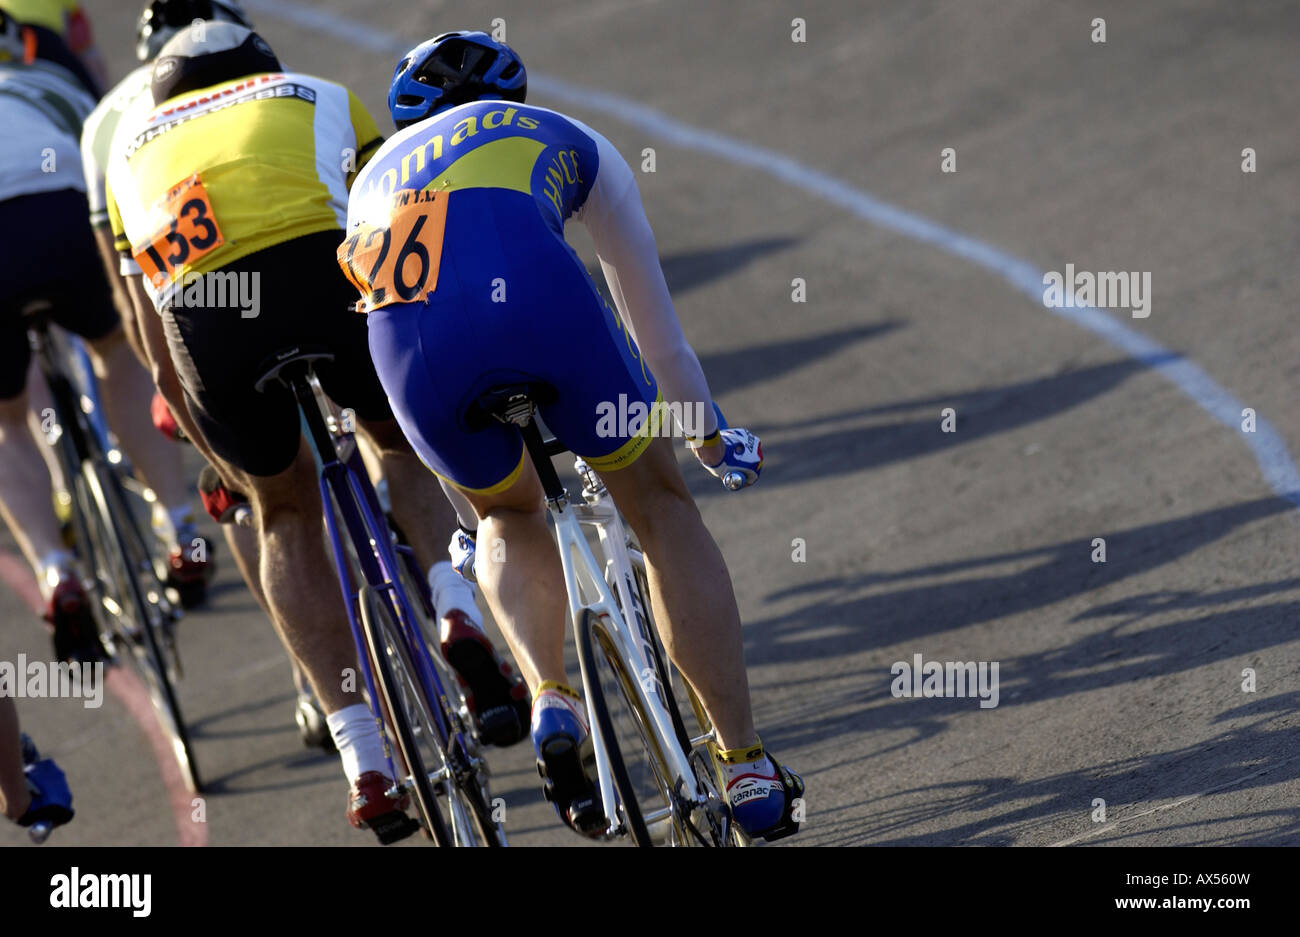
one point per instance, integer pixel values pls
(397, 263)
(190, 233)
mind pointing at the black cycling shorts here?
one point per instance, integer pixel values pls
(49, 256)
(301, 299)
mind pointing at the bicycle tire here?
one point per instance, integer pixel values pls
(595, 693)
(477, 789)
(148, 652)
(383, 635)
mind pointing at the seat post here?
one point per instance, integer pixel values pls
(555, 493)
(296, 378)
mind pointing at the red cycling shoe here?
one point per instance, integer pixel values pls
(190, 567)
(76, 635)
(370, 808)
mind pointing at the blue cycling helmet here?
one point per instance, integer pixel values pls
(453, 69)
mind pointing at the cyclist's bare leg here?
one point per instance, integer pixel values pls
(525, 587)
(297, 578)
(14, 796)
(690, 588)
(127, 390)
(421, 509)
(25, 486)
(242, 542)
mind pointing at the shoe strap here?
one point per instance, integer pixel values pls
(559, 688)
(738, 756)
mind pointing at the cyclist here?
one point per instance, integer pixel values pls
(66, 21)
(246, 167)
(51, 261)
(505, 299)
(32, 789)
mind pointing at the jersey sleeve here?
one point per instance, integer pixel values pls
(369, 139)
(625, 245)
(120, 243)
(94, 172)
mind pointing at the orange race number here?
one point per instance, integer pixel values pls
(397, 263)
(191, 232)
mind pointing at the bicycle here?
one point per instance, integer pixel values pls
(124, 575)
(674, 794)
(413, 694)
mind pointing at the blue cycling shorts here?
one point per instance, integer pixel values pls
(513, 304)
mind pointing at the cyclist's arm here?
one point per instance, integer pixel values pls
(366, 136)
(625, 245)
(97, 197)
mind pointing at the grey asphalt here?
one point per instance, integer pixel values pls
(1119, 681)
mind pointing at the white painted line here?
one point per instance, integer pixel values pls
(1265, 444)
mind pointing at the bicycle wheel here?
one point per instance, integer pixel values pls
(139, 602)
(424, 614)
(434, 771)
(476, 781)
(643, 778)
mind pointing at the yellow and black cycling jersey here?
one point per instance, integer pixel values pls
(213, 175)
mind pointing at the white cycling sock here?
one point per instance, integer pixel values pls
(356, 736)
(451, 590)
(749, 760)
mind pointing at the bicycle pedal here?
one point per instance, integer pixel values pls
(392, 827)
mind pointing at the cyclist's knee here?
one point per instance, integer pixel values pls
(286, 495)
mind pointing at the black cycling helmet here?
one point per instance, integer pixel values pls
(160, 20)
(453, 69)
(221, 52)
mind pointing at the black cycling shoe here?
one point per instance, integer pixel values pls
(497, 696)
(567, 785)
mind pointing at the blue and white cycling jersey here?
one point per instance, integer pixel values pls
(513, 175)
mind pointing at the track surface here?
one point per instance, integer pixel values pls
(1120, 681)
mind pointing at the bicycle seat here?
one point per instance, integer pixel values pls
(515, 404)
(36, 313)
(297, 359)
(508, 403)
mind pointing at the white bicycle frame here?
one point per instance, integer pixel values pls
(583, 581)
